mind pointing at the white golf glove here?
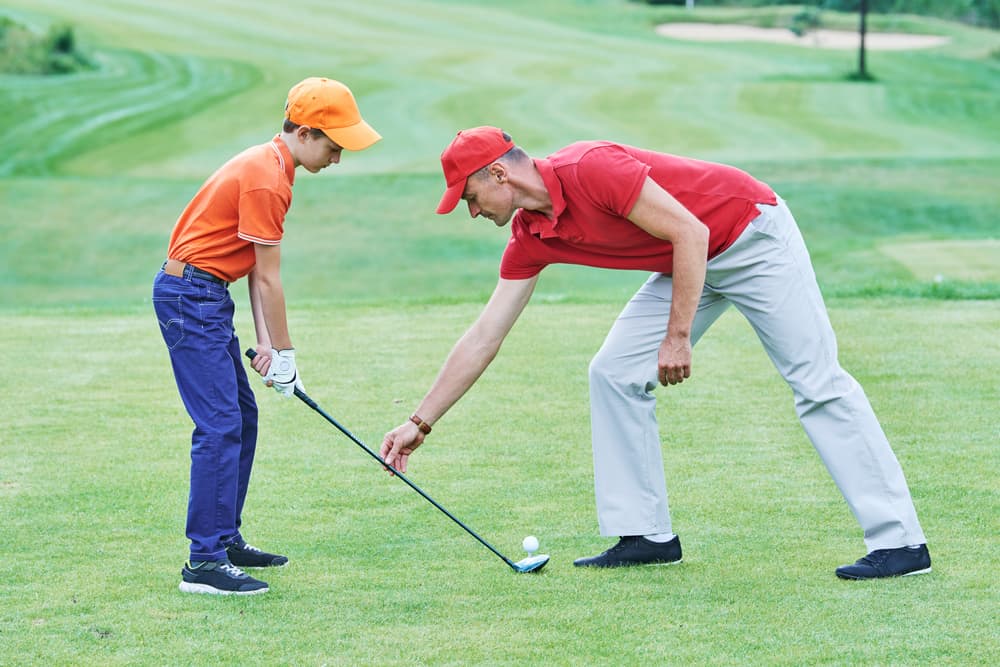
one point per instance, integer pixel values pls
(282, 374)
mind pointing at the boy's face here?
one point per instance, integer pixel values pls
(318, 152)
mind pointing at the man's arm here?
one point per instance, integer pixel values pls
(658, 213)
(465, 363)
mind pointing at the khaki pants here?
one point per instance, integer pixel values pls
(767, 275)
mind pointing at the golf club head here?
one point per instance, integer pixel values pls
(531, 563)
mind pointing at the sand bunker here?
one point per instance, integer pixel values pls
(823, 39)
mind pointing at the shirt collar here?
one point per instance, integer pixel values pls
(285, 157)
(539, 223)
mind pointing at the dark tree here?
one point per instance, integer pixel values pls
(862, 73)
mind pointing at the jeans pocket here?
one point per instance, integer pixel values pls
(170, 314)
(215, 313)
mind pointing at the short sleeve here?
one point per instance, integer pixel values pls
(612, 178)
(262, 216)
(518, 262)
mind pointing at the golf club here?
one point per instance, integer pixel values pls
(529, 564)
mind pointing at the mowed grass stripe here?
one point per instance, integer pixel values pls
(727, 104)
(716, 101)
(948, 259)
(135, 91)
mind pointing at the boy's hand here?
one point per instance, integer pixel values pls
(282, 374)
(261, 362)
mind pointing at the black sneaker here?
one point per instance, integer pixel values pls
(900, 562)
(219, 578)
(635, 550)
(247, 555)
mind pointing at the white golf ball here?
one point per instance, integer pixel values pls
(530, 544)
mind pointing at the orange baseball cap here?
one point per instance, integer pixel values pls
(468, 152)
(328, 105)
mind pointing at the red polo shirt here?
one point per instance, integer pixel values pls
(241, 204)
(595, 184)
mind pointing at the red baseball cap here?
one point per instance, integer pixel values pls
(328, 105)
(469, 151)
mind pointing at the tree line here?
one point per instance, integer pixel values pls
(983, 13)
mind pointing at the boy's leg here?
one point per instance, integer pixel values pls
(196, 321)
(248, 434)
(239, 552)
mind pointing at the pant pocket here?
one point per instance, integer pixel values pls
(170, 314)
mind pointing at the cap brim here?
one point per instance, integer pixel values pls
(355, 137)
(451, 197)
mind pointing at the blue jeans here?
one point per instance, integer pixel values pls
(196, 320)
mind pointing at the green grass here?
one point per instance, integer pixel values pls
(964, 258)
(892, 182)
(94, 487)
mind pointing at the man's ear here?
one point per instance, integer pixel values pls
(302, 132)
(498, 171)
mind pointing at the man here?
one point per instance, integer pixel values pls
(712, 236)
(233, 228)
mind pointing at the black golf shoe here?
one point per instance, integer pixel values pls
(219, 578)
(635, 550)
(242, 554)
(881, 563)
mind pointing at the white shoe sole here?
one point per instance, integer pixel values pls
(188, 587)
(910, 574)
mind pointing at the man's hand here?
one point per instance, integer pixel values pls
(399, 443)
(674, 361)
(282, 374)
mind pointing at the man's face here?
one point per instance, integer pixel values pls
(490, 196)
(319, 152)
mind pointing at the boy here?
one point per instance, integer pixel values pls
(233, 228)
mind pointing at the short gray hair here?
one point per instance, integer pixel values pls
(515, 155)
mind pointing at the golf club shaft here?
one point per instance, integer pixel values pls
(251, 353)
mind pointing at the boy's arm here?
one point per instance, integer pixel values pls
(276, 362)
(267, 284)
(262, 361)
(468, 359)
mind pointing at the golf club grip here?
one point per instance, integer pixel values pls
(251, 353)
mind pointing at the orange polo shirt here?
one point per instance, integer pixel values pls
(241, 204)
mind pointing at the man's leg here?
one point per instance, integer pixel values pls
(629, 483)
(768, 275)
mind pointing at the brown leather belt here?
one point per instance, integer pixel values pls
(175, 267)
